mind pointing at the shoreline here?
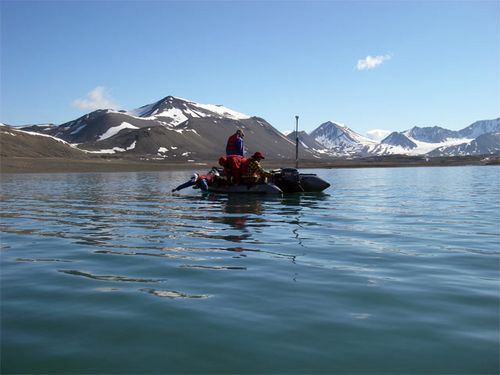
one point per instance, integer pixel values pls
(68, 165)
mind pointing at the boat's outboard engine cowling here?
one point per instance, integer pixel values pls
(288, 180)
(290, 175)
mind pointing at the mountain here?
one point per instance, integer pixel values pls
(177, 129)
(306, 141)
(400, 140)
(433, 134)
(481, 127)
(176, 110)
(94, 126)
(339, 140)
(38, 128)
(174, 129)
(484, 144)
(20, 143)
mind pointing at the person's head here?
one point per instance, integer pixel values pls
(240, 133)
(258, 156)
(194, 177)
(222, 161)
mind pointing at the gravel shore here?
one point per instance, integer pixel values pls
(66, 165)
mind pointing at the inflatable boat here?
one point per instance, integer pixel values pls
(285, 180)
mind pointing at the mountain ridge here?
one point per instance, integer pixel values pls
(340, 141)
(179, 129)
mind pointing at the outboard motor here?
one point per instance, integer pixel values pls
(291, 181)
(288, 180)
(290, 175)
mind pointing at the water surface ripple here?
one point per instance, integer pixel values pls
(387, 271)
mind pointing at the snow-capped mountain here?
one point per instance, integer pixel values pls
(400, 140)
(481, 127)
(175, 111)
(482, 145)
(172, 128)
(93, 126)
(339, 140)
(433, 134)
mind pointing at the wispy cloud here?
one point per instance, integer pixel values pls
(98, 98)
(371, 62)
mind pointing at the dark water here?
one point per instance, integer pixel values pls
(388, 271)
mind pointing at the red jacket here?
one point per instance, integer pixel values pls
(209, 177)
(235, 145)
(232, 167)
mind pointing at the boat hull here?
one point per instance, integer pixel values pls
(267, 188)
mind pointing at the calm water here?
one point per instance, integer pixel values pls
(388, 271)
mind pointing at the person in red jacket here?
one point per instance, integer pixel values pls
(200, 181)
(235, 144)
(232, 168)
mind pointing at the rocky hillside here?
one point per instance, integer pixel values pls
(172, 128)
(19, 143)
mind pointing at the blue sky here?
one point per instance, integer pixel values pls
(367, 64)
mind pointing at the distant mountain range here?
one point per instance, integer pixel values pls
(479, 138)
(178, 129)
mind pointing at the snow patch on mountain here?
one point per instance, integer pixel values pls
(420, 148)
(223, 111)
(45, 135)
(177, 115)
(115, 130)
(179, 110)
(113, 150)
(488, 143)
(425, 147)
(77, 130)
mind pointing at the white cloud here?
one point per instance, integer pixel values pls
(378, 134)
(371, 62)
(98, 98)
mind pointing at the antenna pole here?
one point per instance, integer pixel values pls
(297, 142)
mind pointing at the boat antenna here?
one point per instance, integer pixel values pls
(297, 142)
